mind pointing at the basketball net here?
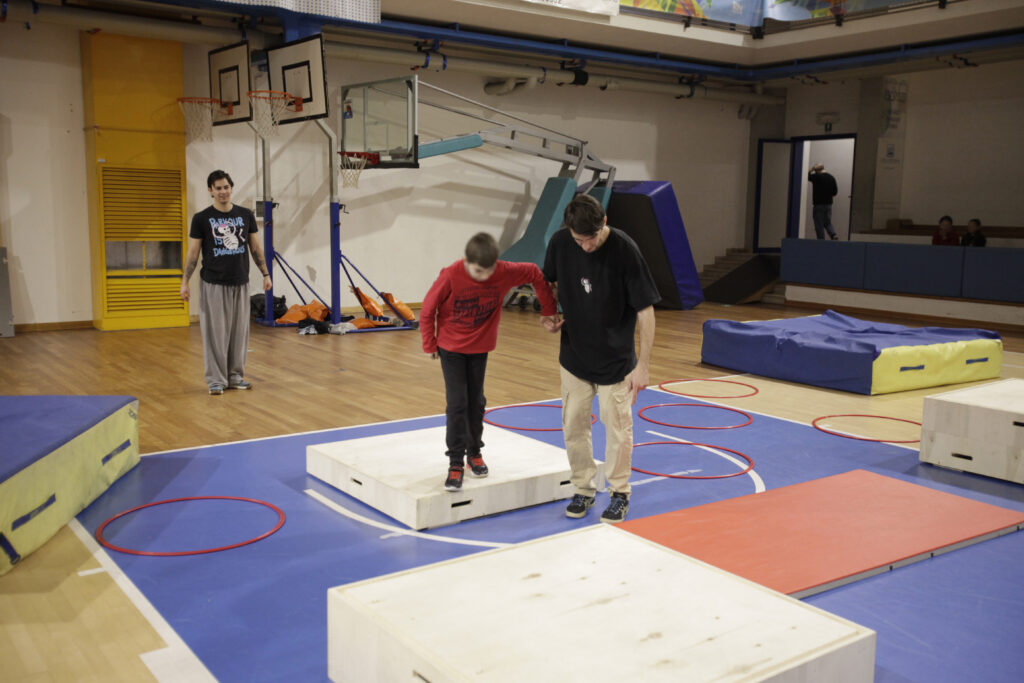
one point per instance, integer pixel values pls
(267, 107)
(198, 113)
(351, 168)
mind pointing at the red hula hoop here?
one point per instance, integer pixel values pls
(593, 418)
(862, 438)
(695, 379)
(107, 544)
(699, 405)
(750, 466)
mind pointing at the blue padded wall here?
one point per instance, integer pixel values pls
(914, 269)
(994, 273)
(648, 212)
(823, 262)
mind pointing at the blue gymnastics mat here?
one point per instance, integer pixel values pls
(836, 351)
(59, 454)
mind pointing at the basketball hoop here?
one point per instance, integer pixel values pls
(352, 165)
(198, 113)
(267, 108)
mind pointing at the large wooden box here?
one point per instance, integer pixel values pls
(402, 475)
(598, 604)
(979, 429)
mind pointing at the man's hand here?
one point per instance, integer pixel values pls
(434, 355)
(267, 283)
(638, 379)
(640, 376)
(552, 323)
(184, 290)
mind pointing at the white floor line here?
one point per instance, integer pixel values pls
(398, 531)
(175, 663)
(759, 486)
(90, 572)
(654, 479)
(754, 412)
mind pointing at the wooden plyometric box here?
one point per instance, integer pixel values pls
(979, 429)
(402, 475)
(597, 604)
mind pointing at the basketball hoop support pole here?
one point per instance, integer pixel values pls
(268, 229)
(335, 218)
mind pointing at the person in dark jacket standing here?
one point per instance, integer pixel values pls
(823, 189)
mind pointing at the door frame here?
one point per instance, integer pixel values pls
(794, 205)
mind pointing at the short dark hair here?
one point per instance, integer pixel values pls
(975, 221)
(482, 250)
(218, 175)
(947, 218)
(584, 215)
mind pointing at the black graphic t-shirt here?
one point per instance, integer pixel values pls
(600, 294)
(225, 238)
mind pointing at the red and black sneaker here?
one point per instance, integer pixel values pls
(454, 480)
(477, 465)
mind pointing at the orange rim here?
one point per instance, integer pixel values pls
(212, 101)
(271, 95)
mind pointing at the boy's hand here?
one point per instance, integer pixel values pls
(552, 323)
(434, 355)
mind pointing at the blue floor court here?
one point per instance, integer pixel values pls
(258, 613)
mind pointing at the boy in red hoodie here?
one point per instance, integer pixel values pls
(459, 324)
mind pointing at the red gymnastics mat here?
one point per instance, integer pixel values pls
(810, 537)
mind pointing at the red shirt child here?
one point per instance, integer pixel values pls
(459, 325)
(461, 314)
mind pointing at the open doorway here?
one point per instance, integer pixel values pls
(783, 206)
(836, 155)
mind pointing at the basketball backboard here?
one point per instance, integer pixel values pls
(297, 68)
(230, 81)
(380, 117)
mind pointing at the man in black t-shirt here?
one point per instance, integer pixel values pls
(606, 293)
(225, 235)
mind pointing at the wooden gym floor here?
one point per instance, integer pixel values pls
(63, 620)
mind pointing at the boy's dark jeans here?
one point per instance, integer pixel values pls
(464, 393)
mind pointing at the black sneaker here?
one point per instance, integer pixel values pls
(579, 505)
(617, 509)
(454, 480)
(477, 465)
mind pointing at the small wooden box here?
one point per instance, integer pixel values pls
(979, 430)
(597, 604)
(402, 475)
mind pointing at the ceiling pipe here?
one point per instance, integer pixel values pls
(520, 73)
(27, 12)
(454, 33)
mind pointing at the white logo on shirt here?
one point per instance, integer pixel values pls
(586, 285)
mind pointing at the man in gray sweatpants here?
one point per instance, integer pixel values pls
(226, 235)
